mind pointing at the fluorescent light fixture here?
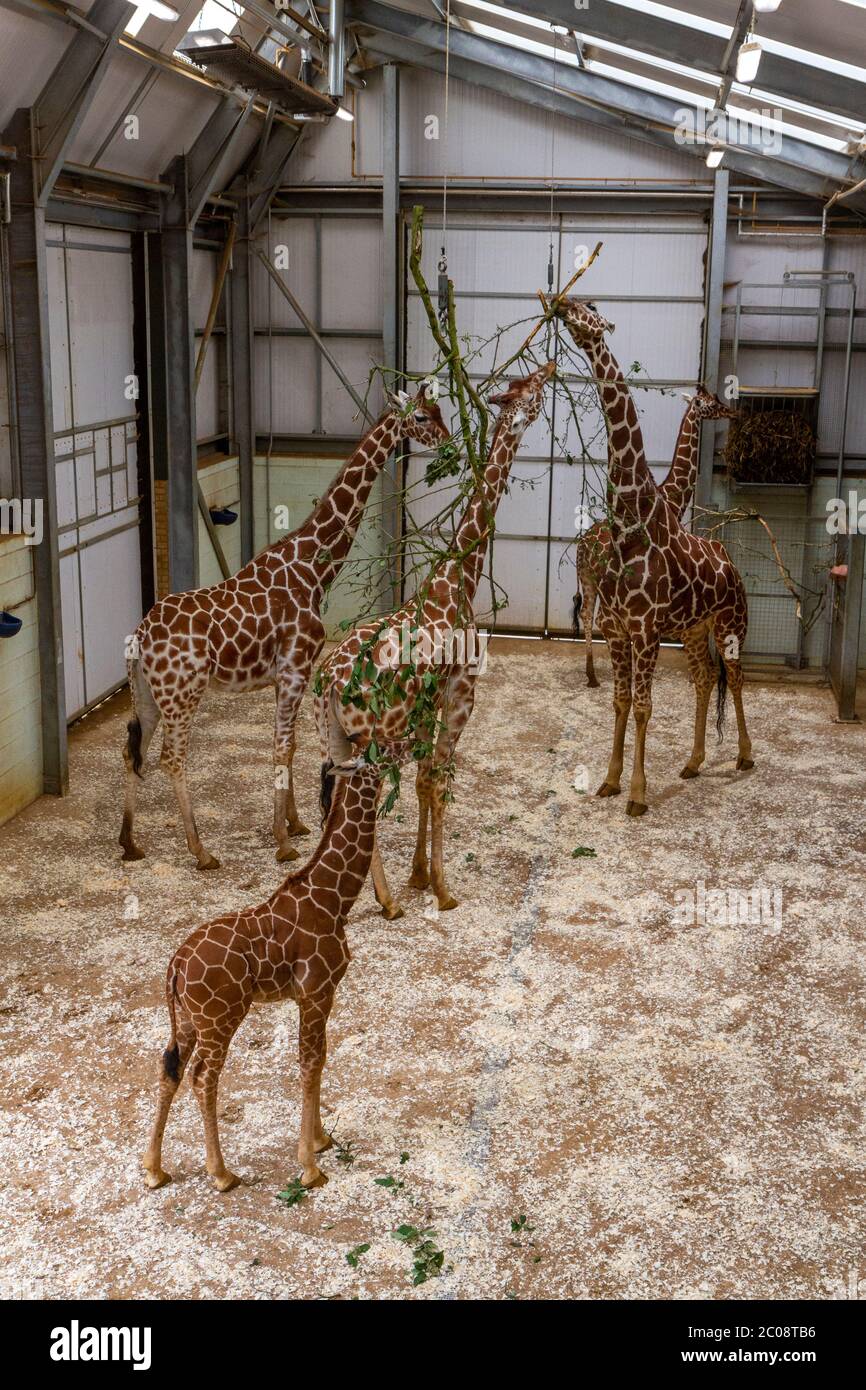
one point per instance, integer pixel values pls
(861, 3)
(344, 115)
(767, 6)
(748, 61)
(715, 157)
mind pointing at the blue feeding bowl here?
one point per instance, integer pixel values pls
(223, 516)
(9, 624)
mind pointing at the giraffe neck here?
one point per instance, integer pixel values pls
(477, 521)
(679, 485)
(331, 528)
(341, 861)
(632, 487)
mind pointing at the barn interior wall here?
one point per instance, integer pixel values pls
(490, 136)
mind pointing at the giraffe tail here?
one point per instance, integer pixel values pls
(171, 1056)
(142, 702)
(721, 696)
(327, 788)
(575, 613)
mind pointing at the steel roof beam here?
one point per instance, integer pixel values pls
(68, 94)
(216, 142)
(798, 165)
(695, 48)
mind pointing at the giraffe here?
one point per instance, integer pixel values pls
(425, 644)
(593, 547)
(261, 627)
(661, 580)
(291, 947)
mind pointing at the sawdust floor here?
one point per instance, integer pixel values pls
(677, 1110)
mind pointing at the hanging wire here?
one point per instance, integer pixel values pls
(443, 255)
(550, 271)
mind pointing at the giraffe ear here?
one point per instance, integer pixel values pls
(400, 399)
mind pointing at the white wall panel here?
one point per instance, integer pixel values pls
(297, 235)
(352, 273)
(100, 313)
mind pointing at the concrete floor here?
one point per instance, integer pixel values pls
(677, 1110)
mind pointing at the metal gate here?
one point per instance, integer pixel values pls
(498, 264)
(95, 435)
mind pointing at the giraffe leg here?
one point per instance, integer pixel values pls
(154, 1174)
(391, 909)
(205, 1082)
(587, 615)
(696, 643)
(729, 637)
(620, 655)
(290, 689)
(646, 652)
(175, 745)
(444, 897)
(420, 875)
(146, 712)
(457, 706)
(312, 1047)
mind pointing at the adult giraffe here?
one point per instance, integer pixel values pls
(593, 547)
(261, 627)
(661, 580)
(438, 682)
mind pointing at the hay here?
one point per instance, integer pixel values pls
(771, 447)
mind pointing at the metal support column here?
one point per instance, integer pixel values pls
(35, 421)
(392, 298)
(173, 391)
(241, 349)
(715, 280)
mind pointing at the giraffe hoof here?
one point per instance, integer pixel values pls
(285, 853)
(299, 828)
(226, 1182)
(592, 682)
(743, 764)
(131, 853)
(689, 771)
(446, 903)
(419, 878)
(393, 912)
(635, 808)
(313, 1177)
(156, 1177)
(326, 1142)
(607, 790)
(208, 863)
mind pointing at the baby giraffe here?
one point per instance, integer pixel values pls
(291, 947)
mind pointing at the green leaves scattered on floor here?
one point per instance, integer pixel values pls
(583, 852)
(294, 1193)
(427, 1260)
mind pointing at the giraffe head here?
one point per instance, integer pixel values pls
(706, 406)
(419, 416)
(358, 770)
(520, 402)
(582, 319)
